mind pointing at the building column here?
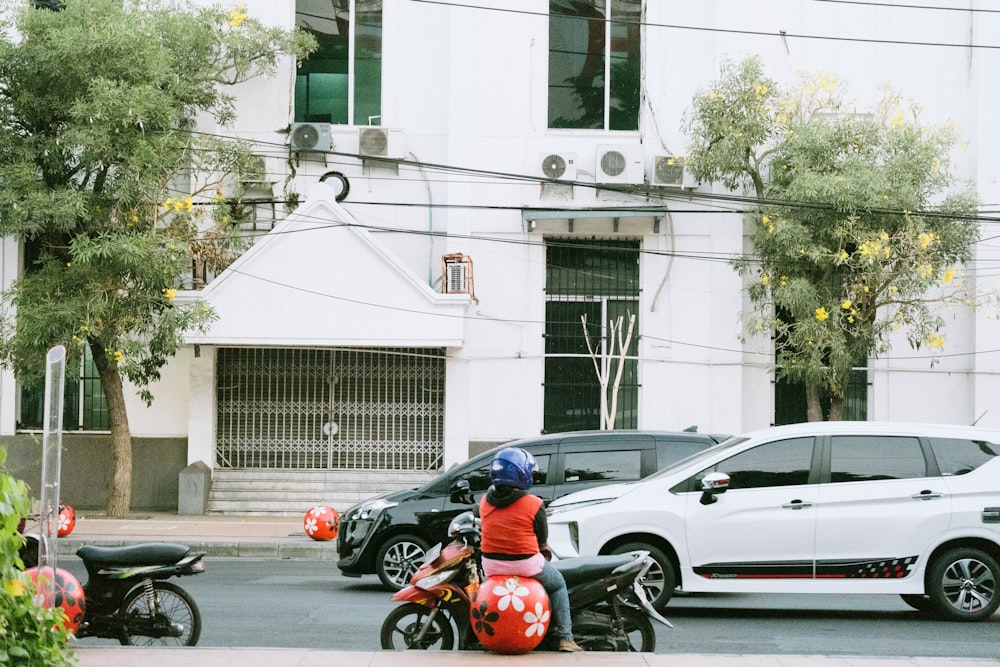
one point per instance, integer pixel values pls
(201, 409)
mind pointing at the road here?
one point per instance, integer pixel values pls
(306, 604)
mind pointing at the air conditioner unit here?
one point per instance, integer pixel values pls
(311, 137)
(620, 164)
(669, 171)
(380, 142)
(456, 274)
(559, 166)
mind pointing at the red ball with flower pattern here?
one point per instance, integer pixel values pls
(321, 523)
(510, 614)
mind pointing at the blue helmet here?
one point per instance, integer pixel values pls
(513, 466)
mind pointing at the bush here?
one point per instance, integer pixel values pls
(30, 635)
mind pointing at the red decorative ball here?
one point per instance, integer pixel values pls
(68, 594)
(67, 520)
(510, 614)
(321, 523)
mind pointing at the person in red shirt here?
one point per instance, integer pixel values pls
(514, 534)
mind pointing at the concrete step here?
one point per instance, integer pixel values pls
(293, 492)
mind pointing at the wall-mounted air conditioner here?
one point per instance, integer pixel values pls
(559, 166)
(311, 137)
(669, 171)
(456, 274)
(376, 142)
(620, 164)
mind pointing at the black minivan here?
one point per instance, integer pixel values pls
(389, 534)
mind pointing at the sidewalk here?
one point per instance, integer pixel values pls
(285, 538)
(219, 536)
(194, 657)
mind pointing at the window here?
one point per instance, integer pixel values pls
(84, 407)
(479, 479)
(780, 463)
(624, 465)
(957, 457)
(599, 279)
(594, 64)
(341, 82)
(870, 458)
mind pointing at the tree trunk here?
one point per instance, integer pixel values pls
(814, 408)
(836, 408)
(120, 495)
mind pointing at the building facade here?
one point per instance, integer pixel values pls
(476, 186)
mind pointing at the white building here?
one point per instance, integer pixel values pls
(435, 308)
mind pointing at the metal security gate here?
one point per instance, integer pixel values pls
(330, 409)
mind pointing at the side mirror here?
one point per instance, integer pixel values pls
(461, 493)
(712, 485)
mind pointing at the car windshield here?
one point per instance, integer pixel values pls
(698, 456)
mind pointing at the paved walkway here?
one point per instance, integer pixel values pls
(284, 537)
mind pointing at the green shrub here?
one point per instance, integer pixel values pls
(30, 635)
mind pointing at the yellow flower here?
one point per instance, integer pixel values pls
(15, 587)
(119, 356)
(842, 255)
(238, 16)
(821, 314)
(949, 275)
(170, 293)
(846, 304)
(764, 280)
(934, 340)
(926, 240)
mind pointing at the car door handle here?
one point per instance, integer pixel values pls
(796, 505)
(926, 494)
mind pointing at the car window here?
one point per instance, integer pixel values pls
(479, 479)
(779, 463)
(865, 458)
(669, 452)
(622, 465)
(956, 456)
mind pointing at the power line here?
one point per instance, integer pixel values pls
(892, 5)
(781, 34)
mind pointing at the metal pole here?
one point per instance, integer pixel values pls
(55, 379)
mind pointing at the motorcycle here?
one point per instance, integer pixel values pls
(609, 607)
(126, 597)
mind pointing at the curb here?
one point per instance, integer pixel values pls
(318, 551)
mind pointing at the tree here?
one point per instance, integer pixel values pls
(857, 230)
(108, 188)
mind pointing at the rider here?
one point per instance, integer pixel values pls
(514, 535)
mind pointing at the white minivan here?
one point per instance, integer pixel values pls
(823, 507)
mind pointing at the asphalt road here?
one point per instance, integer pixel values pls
(308, 604)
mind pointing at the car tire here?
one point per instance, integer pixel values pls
(398, 558)
(661, 580)
(962, 584)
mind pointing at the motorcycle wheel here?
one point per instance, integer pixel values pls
(403, 624)
(174, 607)
(640, 636)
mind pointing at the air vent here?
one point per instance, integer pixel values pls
(620, 164)
(559, 166)
(311, 137)
(380, 142)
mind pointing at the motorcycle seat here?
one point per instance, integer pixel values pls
(590, 568)
(150, 553)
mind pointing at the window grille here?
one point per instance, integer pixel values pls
(330, 409)
(599, 279)
(84, 407)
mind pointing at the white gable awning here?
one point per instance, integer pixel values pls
(319, 279)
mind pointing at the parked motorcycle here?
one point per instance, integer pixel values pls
(127, 598)
(609, 607)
